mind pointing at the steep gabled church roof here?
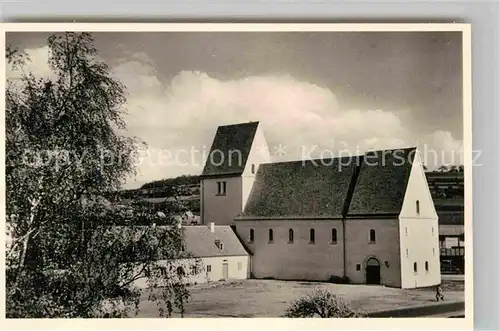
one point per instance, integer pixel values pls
(370, 184)
(230, 150)
(381, 184)
(301, 188)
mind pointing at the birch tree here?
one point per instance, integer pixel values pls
(66, 148)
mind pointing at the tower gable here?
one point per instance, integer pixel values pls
(230, 150)
(418, 190)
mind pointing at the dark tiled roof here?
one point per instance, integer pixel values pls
(237, 137)
(301, 188)
(382, 180)
(451, 218)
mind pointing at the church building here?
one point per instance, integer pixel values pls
(369, 218)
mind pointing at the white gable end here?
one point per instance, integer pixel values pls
(419, 232)
(418, 190)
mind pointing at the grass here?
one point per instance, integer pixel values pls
(269, 298)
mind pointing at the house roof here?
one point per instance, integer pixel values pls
(451, 230)
(230, 149)
(301, 188)
(451, 218)
(200, 241)
(374, 183)
(382, 181)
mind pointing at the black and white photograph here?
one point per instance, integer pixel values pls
(218, 172)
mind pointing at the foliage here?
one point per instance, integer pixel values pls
(338, 280)
(320, 303)
(451, 168)
(65, 148)
(177, 181)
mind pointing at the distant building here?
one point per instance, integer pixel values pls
(447, 189)
(188, 218)
(370, 218)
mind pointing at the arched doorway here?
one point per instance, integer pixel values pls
(372, 271)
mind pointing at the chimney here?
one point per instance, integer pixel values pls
(212, 227)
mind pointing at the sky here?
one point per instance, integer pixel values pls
(316, 94)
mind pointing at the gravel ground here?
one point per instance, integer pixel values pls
(269, 298)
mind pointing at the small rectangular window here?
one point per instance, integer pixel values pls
(406, 231)
(221, 188)
(209, 268)
(239, 265)
(358, 267)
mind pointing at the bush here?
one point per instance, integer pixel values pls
(338, 280)
(322, 304)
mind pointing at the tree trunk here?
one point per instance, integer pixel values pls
(22, 256)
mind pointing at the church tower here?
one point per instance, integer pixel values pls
(229, 173)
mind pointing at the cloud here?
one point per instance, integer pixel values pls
(178, 118)
(441, 148)
(183, 115)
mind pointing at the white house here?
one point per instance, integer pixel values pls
(370, 217)
(219, 250)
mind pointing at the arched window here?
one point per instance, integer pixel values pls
(253, 168)
(334, 236)
(312, 236)
(290, 235)
(251, 235)
(418, 207)
(414, 266)
(271, 235)
(426, 266)
(372, 236)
